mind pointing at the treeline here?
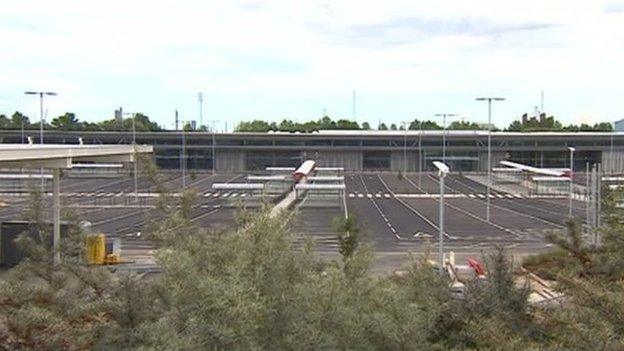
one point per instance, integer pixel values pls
(69, 122)
(327, 123)
(258, 286)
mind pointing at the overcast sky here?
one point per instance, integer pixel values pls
(278, 59)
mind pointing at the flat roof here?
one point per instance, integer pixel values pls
(64, 156)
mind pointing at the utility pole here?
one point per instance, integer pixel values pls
(489, 152)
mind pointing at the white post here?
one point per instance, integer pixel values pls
(441, 224)
(420, 156)
(56, 214)
(571, 178)
(405, 148)
(136, 186)
(489, 162)
(183, 157)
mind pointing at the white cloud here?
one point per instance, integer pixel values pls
(154, 55)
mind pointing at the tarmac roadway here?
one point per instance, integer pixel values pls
(397, 215)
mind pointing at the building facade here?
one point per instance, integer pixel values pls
(395, 151)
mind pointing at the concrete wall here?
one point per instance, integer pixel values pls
(230, 161)
(350, 160)
(497, 156)
(613, 162)
(398, 163)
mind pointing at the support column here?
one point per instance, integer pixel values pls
(56, 213)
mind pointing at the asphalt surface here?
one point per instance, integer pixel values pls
(395, 214)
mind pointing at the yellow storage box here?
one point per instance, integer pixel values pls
(96, 249)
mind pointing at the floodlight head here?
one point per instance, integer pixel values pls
(571, 149)
(443, 169)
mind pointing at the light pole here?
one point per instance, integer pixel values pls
(489, 152)
(444, 115)
(214, 158)
(41, 95)
(134, 155)
(200, 100)
(571, 177)
(404, 147)
(183, 157)
(420, 154)
(443, 170)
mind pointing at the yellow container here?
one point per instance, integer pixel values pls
(112, 259)
(96, 249)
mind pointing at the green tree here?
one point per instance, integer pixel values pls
(66, 122)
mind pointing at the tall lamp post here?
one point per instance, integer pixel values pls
(214, 158)
(443, 170)
(404, 147)
(420, 154)
(135, 170)
(571, 149)
(444, 115)
(41, 95)
(489, 152)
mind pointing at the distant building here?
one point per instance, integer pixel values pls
(618, 126)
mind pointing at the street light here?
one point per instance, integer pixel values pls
(183, 160)
(214, 158)
(443, 170)
(136, 183)
(444, 115)
(41, 95)
(404, 147)
(489, 166)
(571, 177)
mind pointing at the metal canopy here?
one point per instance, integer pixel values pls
(63, 156)
(56, 157)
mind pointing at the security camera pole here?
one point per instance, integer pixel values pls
(489, 152)
(443, 170)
